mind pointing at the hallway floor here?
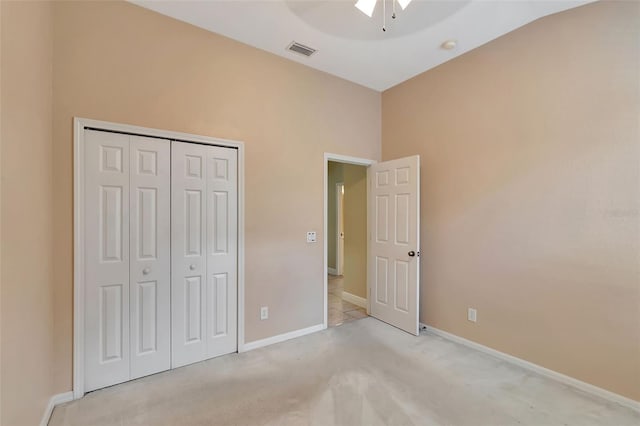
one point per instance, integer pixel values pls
(362, 373)
(341, 311)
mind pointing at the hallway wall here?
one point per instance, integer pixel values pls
(355, 229)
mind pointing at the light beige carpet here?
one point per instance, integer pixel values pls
(361, 373)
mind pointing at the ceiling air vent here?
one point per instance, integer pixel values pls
(301, 49)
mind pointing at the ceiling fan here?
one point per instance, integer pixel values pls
(368, 6)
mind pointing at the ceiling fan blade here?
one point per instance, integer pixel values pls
(367, 6)
(404, 3)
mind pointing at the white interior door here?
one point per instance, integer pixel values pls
(204, 252)
(340, 228)
(222, 251)
(161, 255)
(127, 274)
(394, 221)
(150, 264)
(106, 259)
(188, 259)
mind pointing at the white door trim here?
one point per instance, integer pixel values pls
(347, 160)
(79, 125)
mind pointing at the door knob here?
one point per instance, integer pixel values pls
(192, 267)
(146, 271)
(412, 253)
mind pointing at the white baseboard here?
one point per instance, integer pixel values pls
(562, 378)
(332, 271)
(281, 338)
(53, 401)
(356, 300)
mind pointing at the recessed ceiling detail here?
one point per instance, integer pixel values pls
(351, 46)
(342, 19)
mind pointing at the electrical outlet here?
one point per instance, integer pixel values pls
(264, 313)
(472, 315)
(311, 237)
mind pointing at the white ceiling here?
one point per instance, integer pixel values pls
(350, 44)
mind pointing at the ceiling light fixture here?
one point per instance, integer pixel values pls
(368, 6)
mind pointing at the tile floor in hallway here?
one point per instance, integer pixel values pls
(341, 311)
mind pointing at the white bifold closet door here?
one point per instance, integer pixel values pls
(127, 257)
(204, 212)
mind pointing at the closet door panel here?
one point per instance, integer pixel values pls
(106, 275)
(188, 252)
(222, 250)
(161, 232)
(150, 242)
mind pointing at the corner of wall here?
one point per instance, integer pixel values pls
(26, 306)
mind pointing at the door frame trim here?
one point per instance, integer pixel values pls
(79, 125)
(338, 158)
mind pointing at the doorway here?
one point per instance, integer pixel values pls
(392, 241)
(346, 252)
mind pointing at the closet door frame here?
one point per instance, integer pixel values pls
(79, 126)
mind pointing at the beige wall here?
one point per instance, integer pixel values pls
(26, 225)
(529, 150)
(355, 229)
(1, 137)
(334, 176)
(118, 62)
(530, 191)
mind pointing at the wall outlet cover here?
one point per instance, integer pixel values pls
(311, 237)
(264, 313)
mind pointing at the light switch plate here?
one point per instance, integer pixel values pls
(472, 315)
(311, 236)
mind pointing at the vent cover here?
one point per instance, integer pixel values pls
(301, 49)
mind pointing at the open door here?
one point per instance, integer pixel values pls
(394, 250)
(340, 226)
